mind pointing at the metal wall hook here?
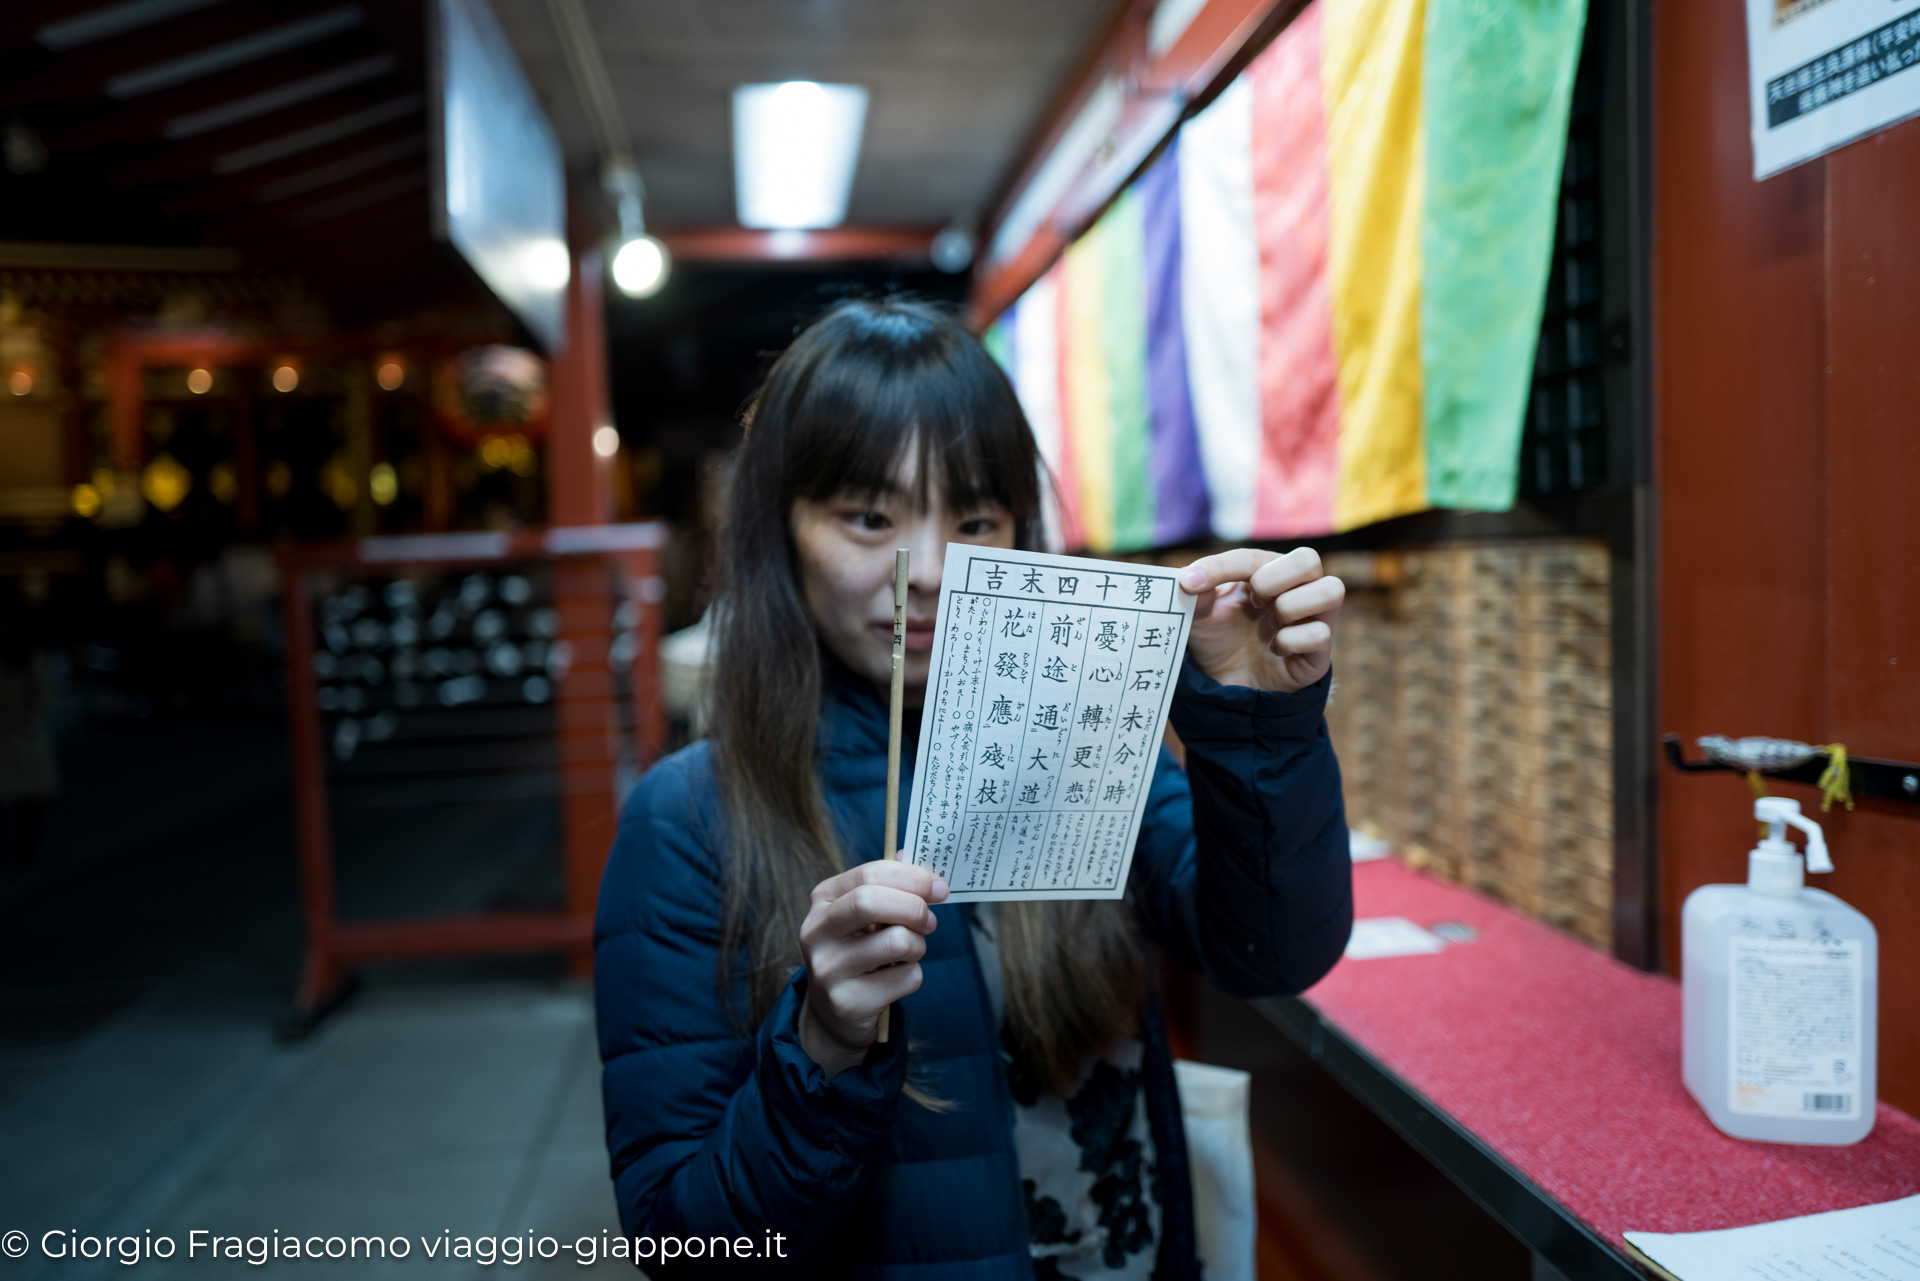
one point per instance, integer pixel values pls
(1882, 779)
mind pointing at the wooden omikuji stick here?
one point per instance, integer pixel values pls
(894, 698)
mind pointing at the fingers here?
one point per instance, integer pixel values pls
(894, 873)
(858, 977)
(1234, 566)
(849, 1005)
(864, 953)
(1269, 577)
(1320, 598)
(867, 907)
(1307, 638)
(862, 941)
(1281, 574)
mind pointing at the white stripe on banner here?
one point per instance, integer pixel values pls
(1220, 302)
(1036, 376)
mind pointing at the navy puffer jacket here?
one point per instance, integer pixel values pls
(1241, 873)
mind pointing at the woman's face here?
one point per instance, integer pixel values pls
(846, 547)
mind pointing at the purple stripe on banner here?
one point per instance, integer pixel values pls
(1182, 511)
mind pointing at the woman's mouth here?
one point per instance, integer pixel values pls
(919, 633)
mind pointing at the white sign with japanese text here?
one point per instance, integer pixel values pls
(1825, 72)
(1051, 682)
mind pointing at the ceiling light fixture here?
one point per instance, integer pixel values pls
(640, 268)
(794, 150)
(641, 264)
(952, 247)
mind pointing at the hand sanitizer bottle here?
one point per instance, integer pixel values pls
(1779, 984)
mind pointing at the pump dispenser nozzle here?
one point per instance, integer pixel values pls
(1779, 813)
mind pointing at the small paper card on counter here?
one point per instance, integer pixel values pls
(1051, 681)
(1866, 1243)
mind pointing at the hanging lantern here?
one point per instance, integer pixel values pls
(492, 394)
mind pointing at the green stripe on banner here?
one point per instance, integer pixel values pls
(995, 341)
(1123, 343)
(1499, 79)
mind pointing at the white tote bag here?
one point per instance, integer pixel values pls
(1213, 1107)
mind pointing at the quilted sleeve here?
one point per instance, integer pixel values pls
(1242, 871)
(710, 1132)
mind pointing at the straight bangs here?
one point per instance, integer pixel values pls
(875, 384)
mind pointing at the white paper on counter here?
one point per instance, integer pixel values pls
(1051, 681)
(1867, 1243)
(1379, 936)
(1364, 848)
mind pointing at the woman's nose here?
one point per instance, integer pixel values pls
(927, 551)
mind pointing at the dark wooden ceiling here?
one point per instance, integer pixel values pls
(294, 130)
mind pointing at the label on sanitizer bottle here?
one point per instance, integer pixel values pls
(1793, 1048)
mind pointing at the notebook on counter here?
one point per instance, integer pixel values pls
(1867, 1243)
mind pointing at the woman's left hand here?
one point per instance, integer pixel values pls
(1263, 620)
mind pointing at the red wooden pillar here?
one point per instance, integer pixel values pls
(126, 402)
(580, 492)
(320, 973)
(246, 463)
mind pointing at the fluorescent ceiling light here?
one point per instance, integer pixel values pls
(794, 148)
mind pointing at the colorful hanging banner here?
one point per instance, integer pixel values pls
(1318, 308)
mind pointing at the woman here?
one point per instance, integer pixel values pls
(1021, 1121)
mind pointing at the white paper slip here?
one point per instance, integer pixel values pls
(1364, 848)
(1867, 1243)
(1380, 936)
(1051, 681)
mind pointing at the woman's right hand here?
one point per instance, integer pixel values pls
(862, 942)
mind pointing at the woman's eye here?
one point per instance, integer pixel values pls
(978, 527)
(870, 521)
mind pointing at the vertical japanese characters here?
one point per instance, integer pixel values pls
(1052, 678)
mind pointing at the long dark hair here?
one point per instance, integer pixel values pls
(838, 413)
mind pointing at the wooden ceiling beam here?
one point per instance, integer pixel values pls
(407, 176)
(350, 114)
(310, 171)
(832, 244)
(43, 75)
(113, 122)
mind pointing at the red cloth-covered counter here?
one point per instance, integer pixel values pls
(1564, 1064)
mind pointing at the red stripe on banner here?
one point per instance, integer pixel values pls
(1299, 376)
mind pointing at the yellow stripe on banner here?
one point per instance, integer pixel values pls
(1089, 389)
(1370, 66)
